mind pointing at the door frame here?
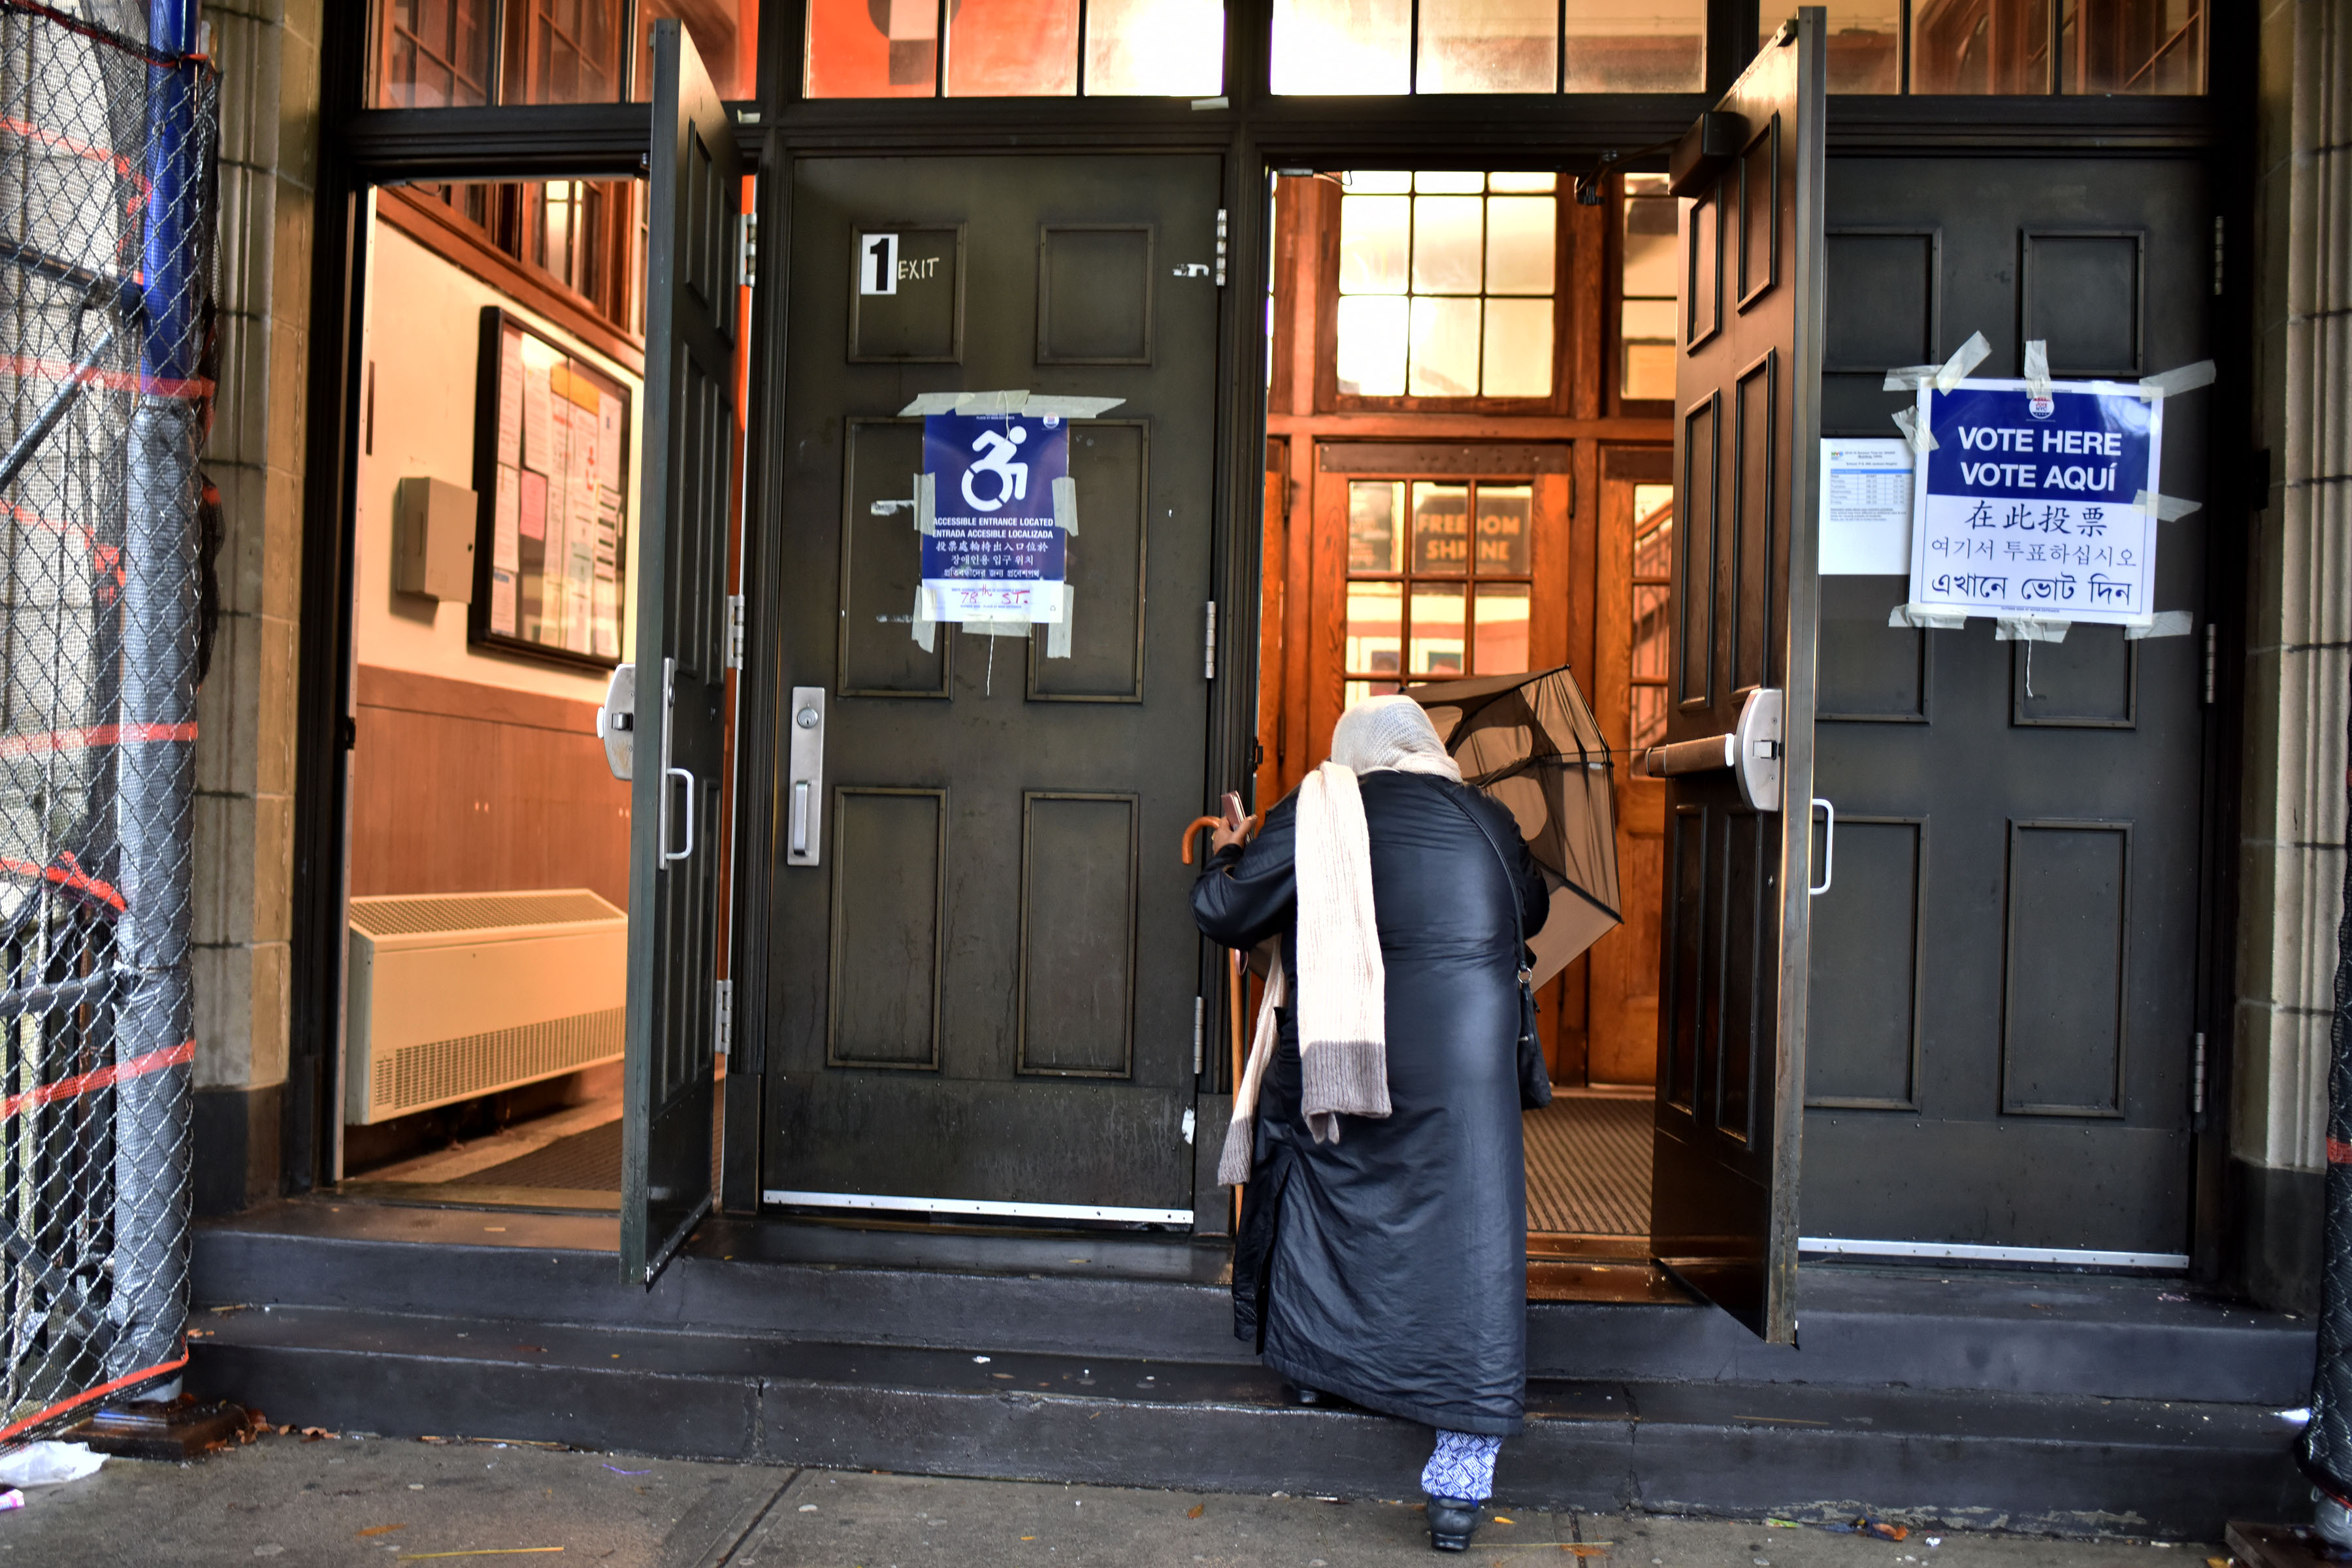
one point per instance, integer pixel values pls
(1253, 133)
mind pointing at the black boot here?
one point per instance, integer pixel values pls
(1451, 1520)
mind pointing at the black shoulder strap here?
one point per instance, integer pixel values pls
(1510, 883)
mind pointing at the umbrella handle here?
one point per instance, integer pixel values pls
(1249, 826)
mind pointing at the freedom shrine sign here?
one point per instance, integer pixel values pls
(2037, 502)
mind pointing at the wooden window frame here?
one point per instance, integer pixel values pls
(1329, 399)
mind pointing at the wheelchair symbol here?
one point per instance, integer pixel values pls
(1011, 478)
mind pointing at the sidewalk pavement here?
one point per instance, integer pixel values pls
(288, 1502)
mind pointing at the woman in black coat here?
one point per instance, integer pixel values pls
(1388, 1266)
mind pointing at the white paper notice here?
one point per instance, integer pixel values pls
(609, 436)
(538, 433)
(505, 520)
(502, 604)
(510, 398)
(1865, 507)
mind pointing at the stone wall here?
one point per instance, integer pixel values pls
(269, 54)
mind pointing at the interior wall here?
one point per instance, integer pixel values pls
(473, 770)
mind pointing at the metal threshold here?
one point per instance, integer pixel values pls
(1968, 1252)
(978, 1206)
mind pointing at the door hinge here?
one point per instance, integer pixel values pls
(2197, 1079)
(2212, 656)
(2219, 231)
(747, 250)
(734, 631)
(723, 1014)
(1200, 1036)
(1209, 646)
(1221, 247)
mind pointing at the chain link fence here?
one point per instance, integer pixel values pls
(107, 216)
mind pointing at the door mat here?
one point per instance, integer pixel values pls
(1588, 1166)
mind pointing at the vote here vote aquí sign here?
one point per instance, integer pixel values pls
(994, 552)
(2038, 505)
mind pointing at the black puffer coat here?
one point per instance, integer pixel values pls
(1390, 1267)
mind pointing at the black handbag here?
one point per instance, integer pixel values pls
(1535, 1080)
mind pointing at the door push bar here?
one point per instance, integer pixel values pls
(1751, 753)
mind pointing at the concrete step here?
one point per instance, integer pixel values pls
(1117, 1296)
(2069, 1464)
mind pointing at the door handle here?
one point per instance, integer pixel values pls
(1751, 753)
(1829, 849)
(667, 854)
(805, 776)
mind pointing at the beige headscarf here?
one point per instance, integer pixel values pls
(1342, 983)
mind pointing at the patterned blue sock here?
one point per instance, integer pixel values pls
(1463, 1466)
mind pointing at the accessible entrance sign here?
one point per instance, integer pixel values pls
(2037, 500)
(993, 550)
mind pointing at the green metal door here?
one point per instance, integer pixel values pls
(984, 965)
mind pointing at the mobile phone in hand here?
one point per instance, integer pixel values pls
(1234, 815)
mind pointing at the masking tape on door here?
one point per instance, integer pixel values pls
(2163, 624)
(1057, 634)
(2030, 628)
(2037, 367)
(1065, 505)
(1933, 617)
(2177, 380)
(2164, 509)
(1921, 438)
(921, 624)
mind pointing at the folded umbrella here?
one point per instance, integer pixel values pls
(1530, 742)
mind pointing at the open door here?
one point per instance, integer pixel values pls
(1738, 758)
(679, 720)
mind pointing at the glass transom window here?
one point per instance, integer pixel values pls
(1440, 577)
(1446, 284)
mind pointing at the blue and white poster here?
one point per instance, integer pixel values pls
(2038, 505)
(994, 552)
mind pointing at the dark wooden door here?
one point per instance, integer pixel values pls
(992, 964)
(2004, 999)
(1732, 969)
(681, 593)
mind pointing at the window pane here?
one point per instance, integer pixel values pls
(1649, 371)
(1636, 46)
(1649, 660)
(1863, 38)
(1441, 530)
(1502, 642)
(1649, 263)
(435, 56)
(1521, 181)
(1504, 524)
(1341, 45)
(1375, 544)
(872, 48)
(1444, 348)
(1518, 348)
(1649, 719)
(1520, 250)
(1449, 182)
(1438, 643)
(1375, 629)
(1488, 46)
(1650, 321)
(1378, 181)
(1980, 45)
(1653, 532)
(1372, 345)
(1373, 231)
(2133, 45)
(1155, 48)
(1360, 690)
(1445, 244)
(1013, 49)
(726, 34)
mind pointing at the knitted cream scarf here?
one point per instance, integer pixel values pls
(1342, 984)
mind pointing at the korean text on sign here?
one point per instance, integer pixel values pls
(2032, 505)
(995, 552)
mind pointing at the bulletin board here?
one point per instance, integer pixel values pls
(551, 468)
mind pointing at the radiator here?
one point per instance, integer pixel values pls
(455, 994)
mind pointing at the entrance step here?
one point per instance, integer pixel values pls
(2065, 1463)
(1141, 1297)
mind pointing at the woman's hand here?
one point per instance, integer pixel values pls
(1226, 837)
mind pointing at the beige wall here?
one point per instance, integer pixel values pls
(424, 345)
